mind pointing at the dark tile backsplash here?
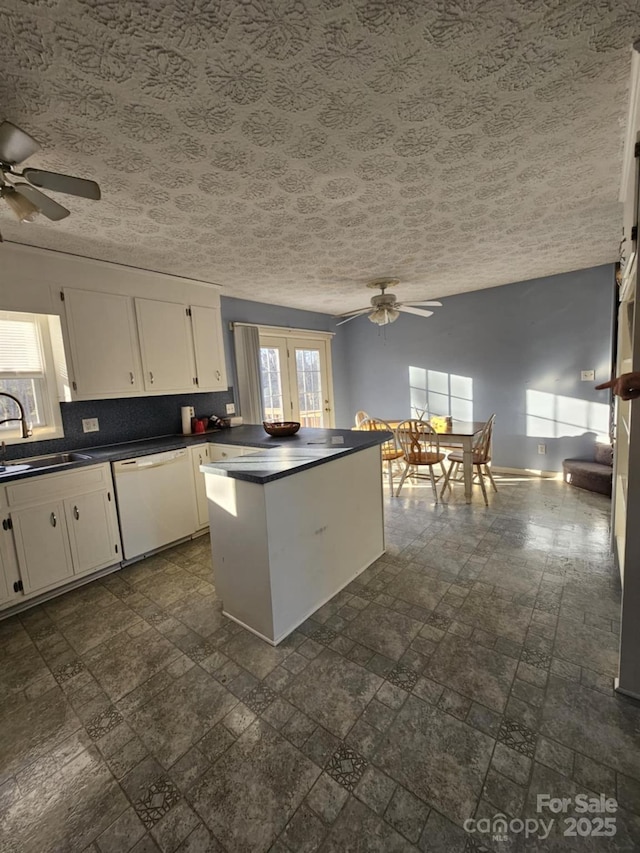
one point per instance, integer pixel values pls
(126, 419)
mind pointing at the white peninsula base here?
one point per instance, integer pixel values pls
(283, 548)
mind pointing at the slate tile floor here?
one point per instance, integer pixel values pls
(465, 672)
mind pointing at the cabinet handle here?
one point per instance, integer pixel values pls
(76, 513)
(151, 377)
(217, 374)
(53, 519)
(131, 377)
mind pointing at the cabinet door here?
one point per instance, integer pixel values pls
(42, 545)
(200, 455)
(165, 343)
(93, 542)
(9, 572)
(4, 582)
(209, 348)
(103, 341)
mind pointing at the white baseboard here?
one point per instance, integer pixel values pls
(527, 472)
(623, 692)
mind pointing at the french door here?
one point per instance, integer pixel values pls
(296, 380)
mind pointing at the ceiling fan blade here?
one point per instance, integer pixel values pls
(419, 312)
(15, 144)
(353, 313)
(47, 206)
(432, 304)
(63, 183)
(353, 317)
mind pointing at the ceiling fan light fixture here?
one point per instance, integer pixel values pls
(384, 316)
(24, 209)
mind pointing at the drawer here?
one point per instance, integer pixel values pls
(218, 452)
(43, 487)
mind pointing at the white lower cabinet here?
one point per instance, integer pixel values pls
(89, 522)
(42, 545)
(200, 455)
(64, 525)
(9, 575)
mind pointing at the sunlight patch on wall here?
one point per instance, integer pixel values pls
(553, 416)
(433, 392)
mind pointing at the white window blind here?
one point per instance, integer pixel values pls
(20, 346)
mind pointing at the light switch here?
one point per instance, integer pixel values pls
(587, 375)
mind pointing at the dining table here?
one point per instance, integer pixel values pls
(458, 433)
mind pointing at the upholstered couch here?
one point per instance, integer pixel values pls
(595, 474)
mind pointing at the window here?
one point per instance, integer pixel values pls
(435, 393)
(28, 371)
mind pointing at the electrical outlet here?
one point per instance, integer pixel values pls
(231, 408)
(542, 449)
(587, 375)
(90, 425)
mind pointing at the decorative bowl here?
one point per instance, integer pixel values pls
(278, 429)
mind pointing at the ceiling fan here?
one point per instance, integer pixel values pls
(385, 308)
(23, 198)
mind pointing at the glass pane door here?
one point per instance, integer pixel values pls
(309, 382)
(295, 380)
(272, 362)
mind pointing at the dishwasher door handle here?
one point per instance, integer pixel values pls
(144, 464)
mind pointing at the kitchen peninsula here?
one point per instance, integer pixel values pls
(292, 525)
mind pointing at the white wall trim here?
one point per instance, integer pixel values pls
(21, 248)
(288, 331)
(527, 472)
(633, 118)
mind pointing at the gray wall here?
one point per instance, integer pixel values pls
(531, 336)
(245, 311)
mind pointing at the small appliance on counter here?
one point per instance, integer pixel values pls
(219, 423)
(198, 426)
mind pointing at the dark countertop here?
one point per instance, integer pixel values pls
(296, 453)
(281, 457)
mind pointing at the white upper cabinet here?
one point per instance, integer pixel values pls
(123, 345)
(165, 345)
(208, 348)
(103, 344)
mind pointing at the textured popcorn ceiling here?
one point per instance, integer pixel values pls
(292, 149)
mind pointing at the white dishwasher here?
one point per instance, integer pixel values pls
(156, 500)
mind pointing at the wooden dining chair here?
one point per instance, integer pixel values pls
(482, 447)
(361, 416)
(390, 450)
(420, 445)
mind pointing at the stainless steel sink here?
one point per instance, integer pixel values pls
(53, 460)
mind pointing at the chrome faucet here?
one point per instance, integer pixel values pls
(26, 429)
